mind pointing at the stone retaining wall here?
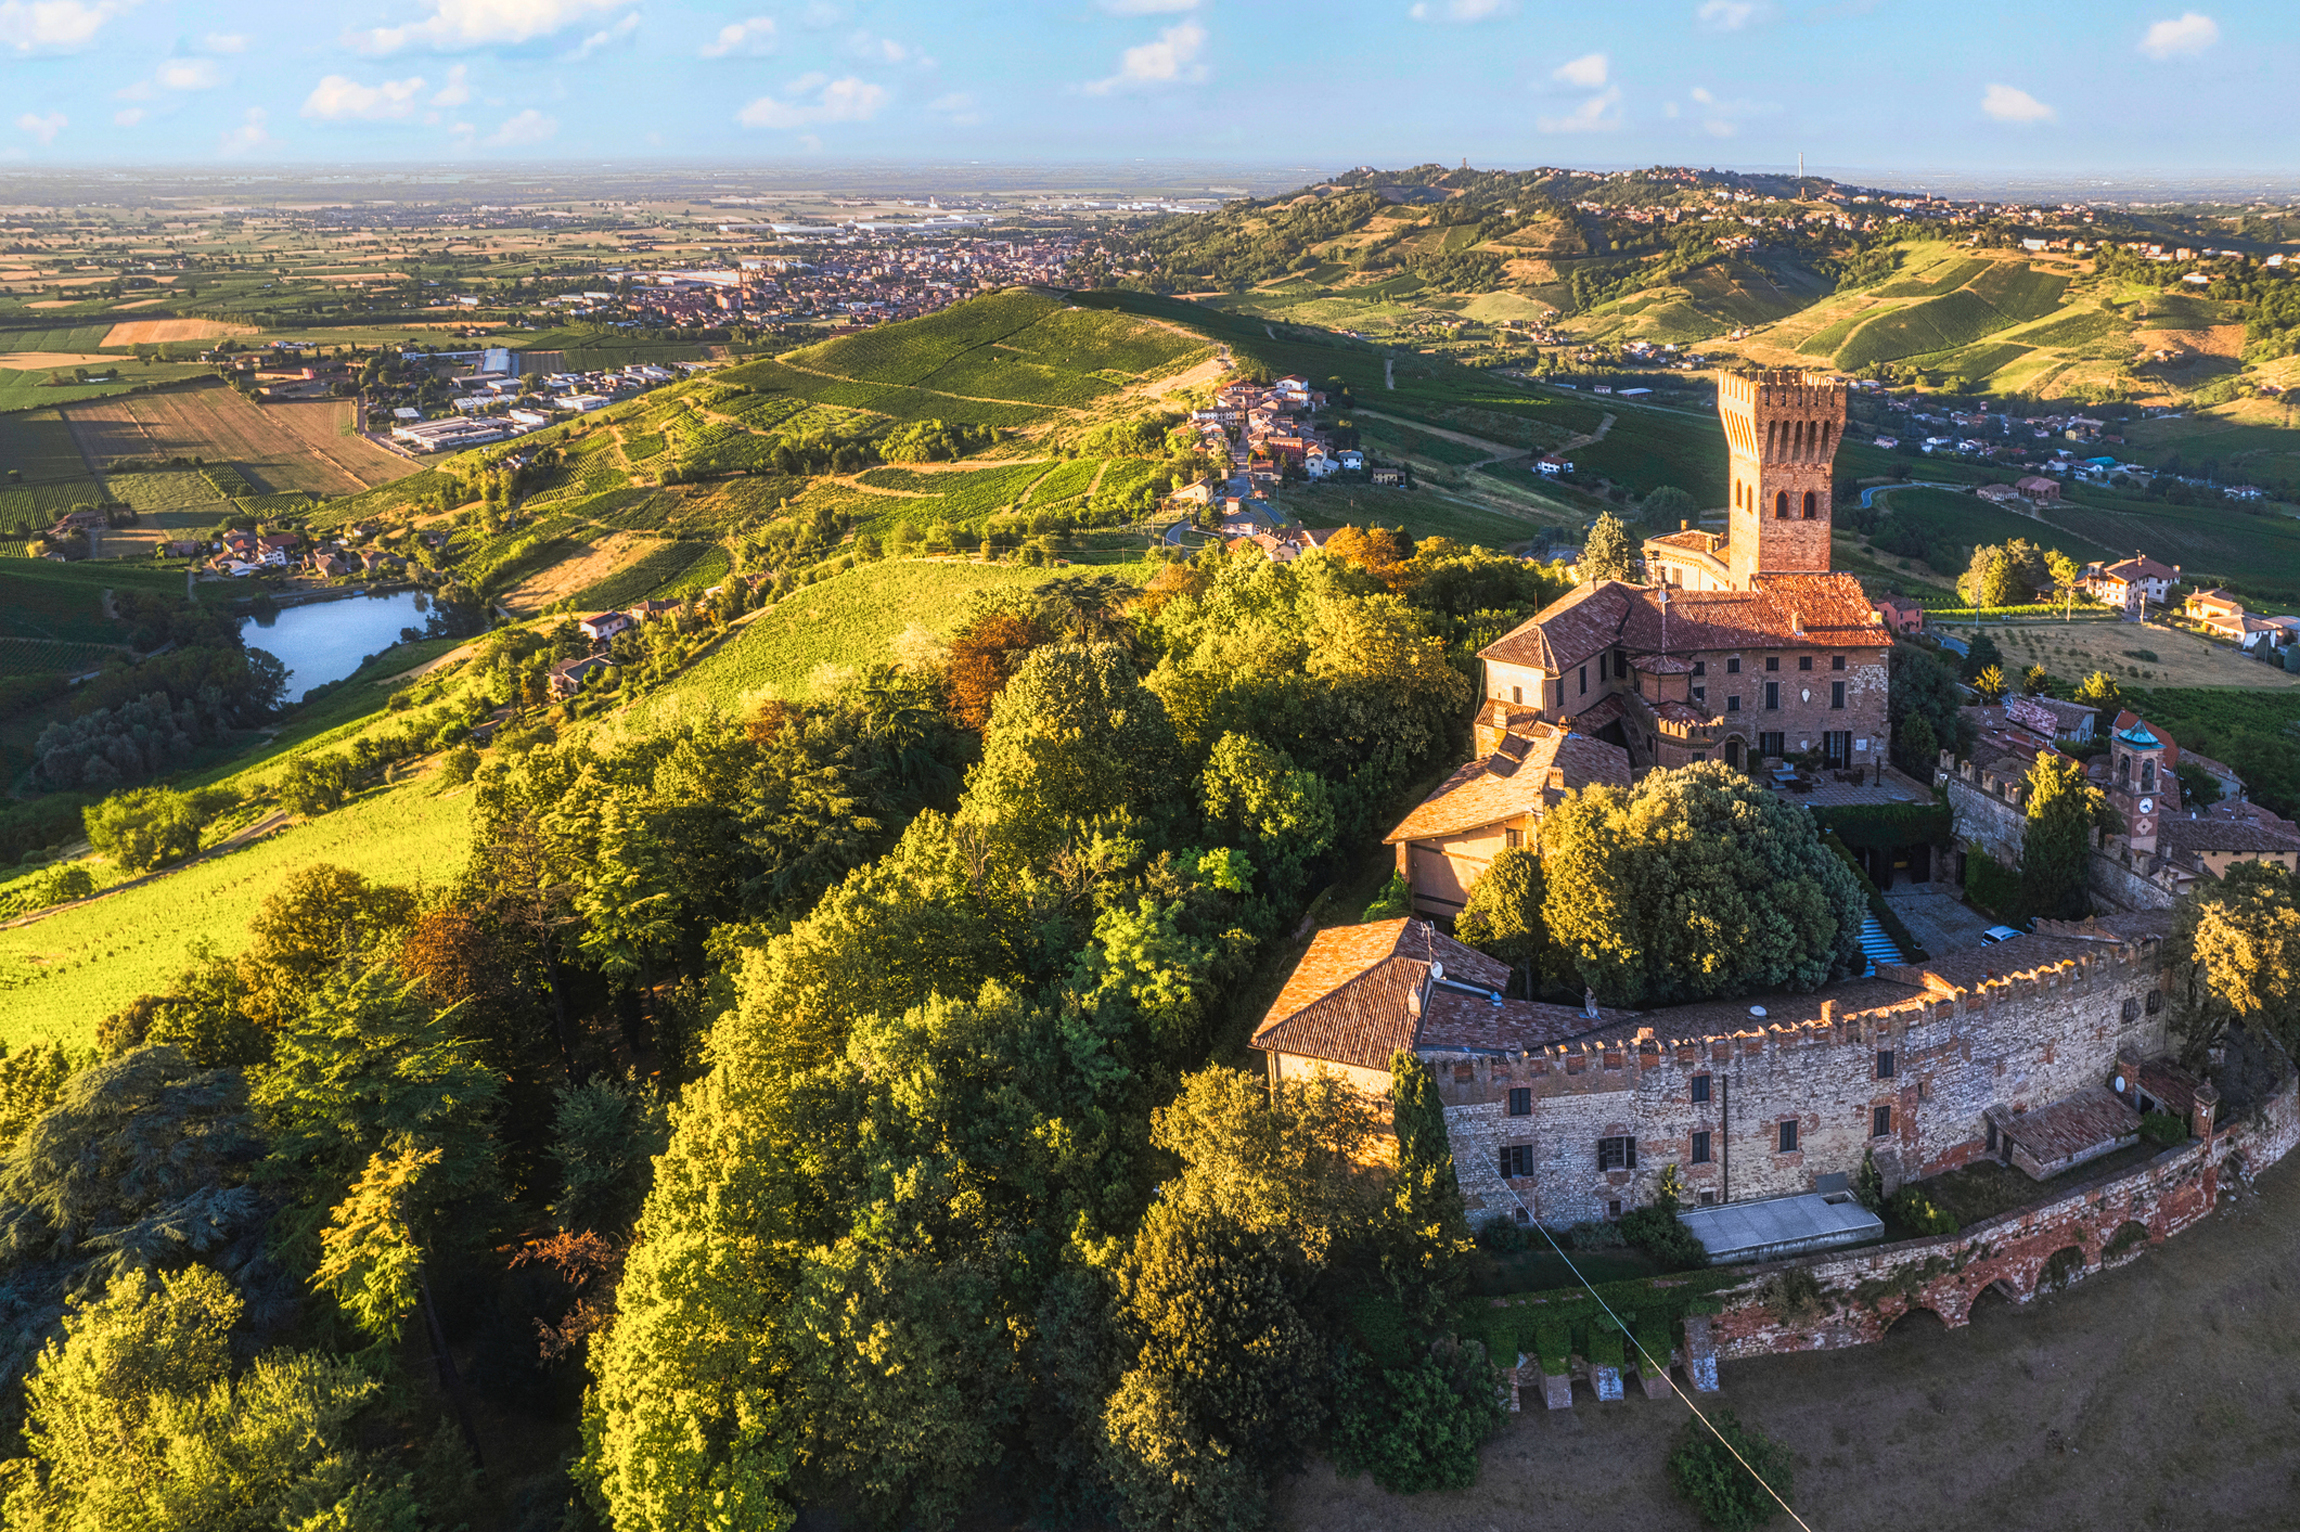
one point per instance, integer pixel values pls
(1825, 1302)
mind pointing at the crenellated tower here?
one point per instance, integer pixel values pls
(1782, 427)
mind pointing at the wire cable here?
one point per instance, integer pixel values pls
(1645, 1359)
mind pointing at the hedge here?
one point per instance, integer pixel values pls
(1884, 826)
(1994, 887)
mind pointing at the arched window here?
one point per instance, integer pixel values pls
(1781, 505)
(1808, 505)
(2148, 776)
(1828, 434)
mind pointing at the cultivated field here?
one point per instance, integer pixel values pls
(2074, 650)
(285, 446)
(2158, 1395)
(144, 332)
(815, 636)
(62, 975)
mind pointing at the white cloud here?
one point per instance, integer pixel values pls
(1172, 59)
(457, 90)
(57, 26)
(958, 106)
(188, 74)
(249, 136)
(1587, 71)
(461, 24)
(1731, 15)
(129, 117)
(606, 37)
(2190, 35)
(885, 50)
(846, 100)
(742, 39)
(1721, 118)
(2006, 104)
(1461, 10)
(1598, 114)
(225, 42)
(1148, 7)
(339, 98)
(528, 127)
(42, 129)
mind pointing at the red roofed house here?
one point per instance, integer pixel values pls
(2136, 579)
(2038, 489)
(1524, 767)
(1901, 614)
(604, 626)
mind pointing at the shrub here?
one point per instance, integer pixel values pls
(2164, 1129)
(1553, 1345)
(1656, 1231)
(1728, 1495)
(1596, 1236)
(1394, 900)
(144, 828)
(2128, 1234)
(1913, 1209)
(1417, 1428)
(1504, 1234)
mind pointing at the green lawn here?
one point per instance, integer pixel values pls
(62, 975)
(1421, 511)
(37, 447)
(847, 622)
(1969, 521)
(1649, 448)
(43, 599)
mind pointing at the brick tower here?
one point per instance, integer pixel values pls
(1783, 427)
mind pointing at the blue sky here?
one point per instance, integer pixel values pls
(2106, 88)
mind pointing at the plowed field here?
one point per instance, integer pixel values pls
(293, 444)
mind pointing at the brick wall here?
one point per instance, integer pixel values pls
(2019, 1041)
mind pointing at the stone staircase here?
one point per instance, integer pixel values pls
(1877, 947)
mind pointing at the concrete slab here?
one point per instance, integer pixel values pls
(1779, 1226)
(1936, 917)
(1557, 1392)
(1606, 1382)
(1700, 1354)
(1656, 1384)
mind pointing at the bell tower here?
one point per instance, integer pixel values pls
(1782, 428)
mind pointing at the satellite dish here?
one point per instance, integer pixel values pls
(1437, 970)
(2120, 1085)
(1756, 1010)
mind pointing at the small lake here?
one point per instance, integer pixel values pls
(326, 640)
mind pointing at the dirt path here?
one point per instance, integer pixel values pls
(2159, 1395)
(1585, 439)
(233, 842)
(1497, 450)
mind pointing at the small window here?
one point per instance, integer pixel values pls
(1701, 667)
(1618, 1153)
(1701, 1147)
(2131, 1009)
(1836, 662)
(1772, 662)
(1836, 694)
(1584, 681)
(1773, 700)
(1613, 1208)
(1781, 505)
(1804, 662)
(1884, 1063)
(1701, 694)
(1700, 755)
(1517, 694)
(1733, 703)
(2155, 1001)
(1880, 1122)
(1810, 505)
(1521, 1101)
(1708, 1199)
(1516, 1160)
(1992, 1147)
(1770, 744)
(1700, 1090)
(1513, 838)
(1733, 665)
(1789, 1135)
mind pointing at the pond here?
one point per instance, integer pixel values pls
(326, 640)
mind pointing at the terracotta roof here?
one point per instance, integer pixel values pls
(2183, 838)
(1720, 1018)
(1511, 782)
(2083, 1119)
(1693, 539)
(1662, 664)
(1608, 709)
(2141, 567)
(2173, 1087)
(1454, 1018)
(1782, 612)
(1351, 998)
(2036, 949)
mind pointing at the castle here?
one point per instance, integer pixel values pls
(1742, 648)
(2042, 1051)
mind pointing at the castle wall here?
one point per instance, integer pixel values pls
(2021, 1041)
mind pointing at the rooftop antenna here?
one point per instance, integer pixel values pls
(1663, 597)
(1800, 164)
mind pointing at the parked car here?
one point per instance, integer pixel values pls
(1995, 934)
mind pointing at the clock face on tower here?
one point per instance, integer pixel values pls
(2148, 805)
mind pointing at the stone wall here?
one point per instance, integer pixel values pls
(2017, 1041)
(1984, 821)
(1820, 1303)
(2118, 885)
